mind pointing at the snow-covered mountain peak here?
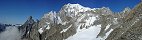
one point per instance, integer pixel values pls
(50, 14)
(105, 8)
(75, 8)
(127, 9)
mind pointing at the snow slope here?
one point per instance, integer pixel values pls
(87, 34)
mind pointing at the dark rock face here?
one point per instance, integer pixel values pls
(34, 34)
(26, 27)
(54, 33)
(131, 28)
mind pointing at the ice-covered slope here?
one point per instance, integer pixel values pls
(86, 34)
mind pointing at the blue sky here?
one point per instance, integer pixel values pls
(17, 11)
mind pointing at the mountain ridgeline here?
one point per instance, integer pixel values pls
(73, 20)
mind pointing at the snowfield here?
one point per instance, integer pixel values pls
(89, 34)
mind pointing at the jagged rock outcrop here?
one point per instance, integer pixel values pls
(34, 34)
(25, 29)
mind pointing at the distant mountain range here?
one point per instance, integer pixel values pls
(3, 26)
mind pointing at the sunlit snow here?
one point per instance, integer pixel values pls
(40, 30)
(87, 34)
(90, 21)
(64, 30)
